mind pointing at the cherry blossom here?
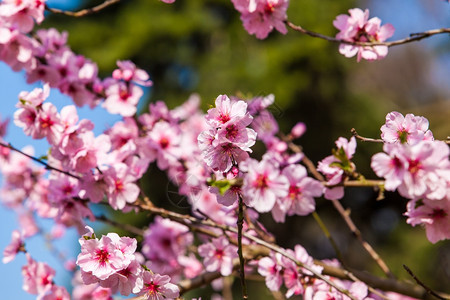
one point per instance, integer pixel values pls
(158, 287)
(271, 268)
(260, 17)
(37, 276)
(405, 129)
(358, 28)
(263, 184)
(14, 247)
(414, 170)
(101, 258)
(434, 215)
(218, 255)
(300, 198)
(336, 167)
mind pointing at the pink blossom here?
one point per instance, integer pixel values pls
(191, 266)
(22, 13)
(37, 277)
(128, 72)
(300, 198)
(358, 28)
(28, 224)
(263, 184)
(121, 186)
(123, 132)
(260, 17)
(271, 268)
(49, 123)
(415, 170)
(126, 281)
(295, 277)
(100, 257)
(14, 247)
(164, 242)
(158, 287)
(222, 156)
(56, 293)
(122, 98)
(165, 139)
(265, 125)
(218, 255)
(336, 167)
(433, 214)
(227, 110)
(409, 129)
(298, 130)
(91, 154)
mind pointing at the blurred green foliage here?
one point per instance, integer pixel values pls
(200, 46)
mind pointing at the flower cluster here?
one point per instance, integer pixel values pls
(227, 141)
(419, 169)
(260, 17)
(278, 269)
(45, 56)
(206, 156)
(111, 263)
(357, 27)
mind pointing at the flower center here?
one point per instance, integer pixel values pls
(260, 181)
(102, 256)
(403, 136)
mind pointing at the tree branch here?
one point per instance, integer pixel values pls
(412, 37)
(46, 165)
(83, 12)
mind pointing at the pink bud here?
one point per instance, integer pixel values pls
(298, 130)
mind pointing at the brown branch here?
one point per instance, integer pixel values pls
(412, 37)
(349, 221)
(240, 224)
(46, 165)
(364, 139)
(346, 216)
(263, 249)
(190, 221)
(429, 291)
(83, 12)
(357, 183)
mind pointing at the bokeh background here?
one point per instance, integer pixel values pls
(200, 46)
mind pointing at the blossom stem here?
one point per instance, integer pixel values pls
(412, 37)
(240, 224)
(364, 139)
(419, 282)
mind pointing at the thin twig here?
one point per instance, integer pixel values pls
(191, 221)
(349, 222)
(263, 247)
(412, 37)
(83, 12)
(346, 216)
(364, 139)
(240, 224)
(419, 282)
(46, 165)
(329, 237)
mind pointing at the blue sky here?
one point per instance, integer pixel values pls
(406, 18)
